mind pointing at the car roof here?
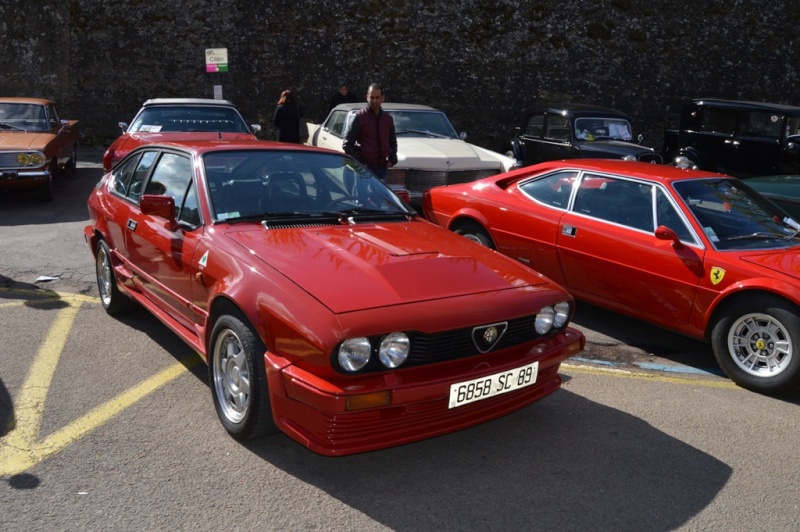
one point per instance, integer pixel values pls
(386, 107)
(35, 101)
(574, 107)
(187, 101)
(744, 104)
(652, 172)
(204, 146)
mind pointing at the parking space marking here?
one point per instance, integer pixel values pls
(21, 448)
(626, 374)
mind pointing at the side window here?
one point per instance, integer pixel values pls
(122, 175)
(171, 177)
(553, 190)
(134, 190)
(716, 120)
(760, 124)
(535, 126)
(336, 124)
(52, 115)
(557, 128)
(667, 215)
(620, 201)
(190, 211)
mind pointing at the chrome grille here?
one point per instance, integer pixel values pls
(420, 180)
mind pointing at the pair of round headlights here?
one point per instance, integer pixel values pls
(30, 159)
(355, 353)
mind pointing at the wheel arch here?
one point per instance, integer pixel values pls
(731, 299)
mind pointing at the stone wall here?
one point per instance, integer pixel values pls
(481, 62)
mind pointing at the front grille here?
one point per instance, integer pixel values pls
(421, 180)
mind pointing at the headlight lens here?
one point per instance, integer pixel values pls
(544, 320)
(394, 349)
(36, 159)
(28, 159)
(23, 159)
(562, 314)
(354, 353)
(629, 158)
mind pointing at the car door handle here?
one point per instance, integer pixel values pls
(732, 142)
(568, 230)
(132, 224)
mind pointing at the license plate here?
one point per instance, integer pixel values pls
(466, 392)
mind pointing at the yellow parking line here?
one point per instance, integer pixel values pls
(625, 374)
(21, 448)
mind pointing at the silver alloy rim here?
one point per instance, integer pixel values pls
(231, 376)
(760, 345)
(105, 276)
(472, 237)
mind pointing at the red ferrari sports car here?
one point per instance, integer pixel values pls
(696, 252)
(323, 306)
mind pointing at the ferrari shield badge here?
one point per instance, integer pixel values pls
(716, 275)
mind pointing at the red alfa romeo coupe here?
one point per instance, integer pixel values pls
(696, 252)
(324, 307)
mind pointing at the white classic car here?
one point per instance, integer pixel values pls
(429, 151)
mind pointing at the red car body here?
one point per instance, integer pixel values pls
(306, 281)
(171, 119)
(691, 259)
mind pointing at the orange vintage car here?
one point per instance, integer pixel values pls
(35, 144)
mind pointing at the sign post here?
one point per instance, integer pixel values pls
(217, 62)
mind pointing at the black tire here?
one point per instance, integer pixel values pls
(114, 302)
(473, 231)
(754, 343)
(72, 164)
(238, 380)
(46, 192)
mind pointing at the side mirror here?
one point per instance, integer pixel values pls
(160, 206)
(665, 233)
(463, 135)
(255, 127)
(640, 138)
(123, 127)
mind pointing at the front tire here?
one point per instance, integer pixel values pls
(238, 380)
(114, 302)
(755, 344)
(473, 231)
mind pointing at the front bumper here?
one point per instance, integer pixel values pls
(23, 178)
(313, 411)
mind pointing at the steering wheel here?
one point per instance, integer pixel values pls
(331, 204)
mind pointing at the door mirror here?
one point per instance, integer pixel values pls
(665, 233)
(161, 206)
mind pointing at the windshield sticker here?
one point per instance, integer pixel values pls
(716, 275)
(711, 234)
(204, 259)
(150, 129)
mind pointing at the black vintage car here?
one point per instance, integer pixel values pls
(576, 131)
(739, 138)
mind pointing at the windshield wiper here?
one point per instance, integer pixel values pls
(9, 126)
(420, 132)
(762, 235)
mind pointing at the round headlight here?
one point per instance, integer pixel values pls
(394, 349)
(544, 320)
(629, 158)
(36, 159)
(354, 353)
(23, 159)
(562, 314)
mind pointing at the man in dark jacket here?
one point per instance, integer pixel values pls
(370, 135)
(343, 95)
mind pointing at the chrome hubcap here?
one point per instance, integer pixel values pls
(231, 376)
(105, 276)
(760, 345)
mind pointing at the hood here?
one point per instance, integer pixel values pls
(23, 140)
(350, 268)
(784, 262)
(619, 148)
(445, 154)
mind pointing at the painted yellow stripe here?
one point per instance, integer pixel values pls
(625, 374)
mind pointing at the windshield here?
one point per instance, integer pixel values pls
(269, 183)
(423, 124)
(188, 118)
(22, 117)
(733, 216)
(603, 128)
